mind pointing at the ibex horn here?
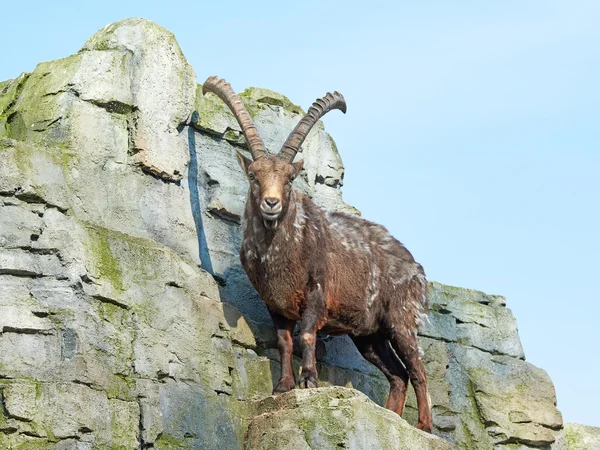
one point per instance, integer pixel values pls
(318, 109)
(223, 89)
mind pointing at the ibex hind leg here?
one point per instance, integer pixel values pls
(401, 328)
(376, 349)
(407, 348)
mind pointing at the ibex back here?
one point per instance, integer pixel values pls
(333, 272)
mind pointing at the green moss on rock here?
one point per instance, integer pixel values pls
(23, 156)
(3, 85)
(166, 442)
(254, 95)
(106, 263)
(10, 91)
(124, 424)
(582, 437)
(20, 442)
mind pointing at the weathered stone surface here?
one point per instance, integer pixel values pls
(22, 262)
(483, 393)
(580, 437)
(332, 418)
(17, 226)
(94, 118)
(514, 399)
(162, 91)
(32, 174)
(126, 320)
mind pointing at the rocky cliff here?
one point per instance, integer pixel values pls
(125, 318)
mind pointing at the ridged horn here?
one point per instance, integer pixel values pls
(318, 109)
(223, 89)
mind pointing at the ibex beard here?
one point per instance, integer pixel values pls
(334, 273)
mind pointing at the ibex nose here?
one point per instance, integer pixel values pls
(271, 202)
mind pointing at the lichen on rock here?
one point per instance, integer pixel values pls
(581, 437)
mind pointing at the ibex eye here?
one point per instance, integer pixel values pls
(251, 176)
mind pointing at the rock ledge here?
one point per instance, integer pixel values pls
(332, 418)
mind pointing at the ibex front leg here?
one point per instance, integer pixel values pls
(285, 344)
(312, 317)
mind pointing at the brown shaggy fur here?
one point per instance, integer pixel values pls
(335, 273)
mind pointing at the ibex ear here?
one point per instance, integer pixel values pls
(243, 161)
(298, 165)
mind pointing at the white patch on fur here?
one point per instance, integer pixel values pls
(273, 255)
(423, 282)
(301, 217)
(299, 221)
(348, 233)
(373, 286)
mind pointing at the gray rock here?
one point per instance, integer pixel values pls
(332, 418)
(473, 319)
(23, 263)
(21, 313)
(32, 174)
(18, 226)
(162, 90)
(580, 437)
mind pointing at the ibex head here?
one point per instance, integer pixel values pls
(270, 184)
(271, 176)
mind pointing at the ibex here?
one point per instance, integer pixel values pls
(333, 272)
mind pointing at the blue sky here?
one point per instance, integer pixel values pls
(472, 133)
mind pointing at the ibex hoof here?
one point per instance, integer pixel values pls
(284, 385)
(307, 381)
(428, 427)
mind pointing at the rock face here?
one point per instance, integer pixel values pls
(126, 320)
(581, 437)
